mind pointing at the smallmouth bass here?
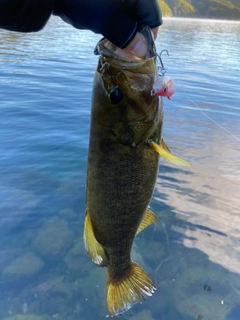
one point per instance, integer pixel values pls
(123, 160)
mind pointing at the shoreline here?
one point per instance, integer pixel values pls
(201, 19)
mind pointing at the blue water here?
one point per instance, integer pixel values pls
(193, 251)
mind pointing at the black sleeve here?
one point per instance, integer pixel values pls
(117, 20)
(25, 15)
(144, 11)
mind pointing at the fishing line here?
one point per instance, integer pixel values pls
(199, 109)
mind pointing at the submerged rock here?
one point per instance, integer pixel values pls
(68, 187)
(27, 264)
(200, 293)
(15, 205)
(143, 315)
(201, 307)
(92, 287)
(6, 256)
(48, 285)
(77, 259)
(25, 317)
(57, 285)
(68, 213)
(25, 308)
(54, 238)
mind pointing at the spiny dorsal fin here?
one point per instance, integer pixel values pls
(122, 294)
(167, 155)
(148, 218)
(94, 249)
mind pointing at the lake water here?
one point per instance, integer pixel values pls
(193, 251)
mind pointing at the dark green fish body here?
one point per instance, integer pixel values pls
(122, 169)
(121, 180)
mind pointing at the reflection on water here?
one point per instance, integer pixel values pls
(192, 252)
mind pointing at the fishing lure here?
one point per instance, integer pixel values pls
(164, 86)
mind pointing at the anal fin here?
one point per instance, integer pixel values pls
(148, 218)
(168, 155)
(94, 249)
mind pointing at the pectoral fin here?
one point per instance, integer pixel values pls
(148, 218)
(168, 155)
(164, 146)
(94, 249)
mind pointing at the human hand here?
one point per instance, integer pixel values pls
(118, 21)
(137, 48)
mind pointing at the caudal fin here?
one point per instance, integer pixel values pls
(122, 294)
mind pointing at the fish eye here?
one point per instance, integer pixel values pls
(115, 95)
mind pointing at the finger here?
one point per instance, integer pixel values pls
(155, 32)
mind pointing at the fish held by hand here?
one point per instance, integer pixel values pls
(123, 162)
(122, 169)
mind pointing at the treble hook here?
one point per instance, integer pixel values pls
(162, 69)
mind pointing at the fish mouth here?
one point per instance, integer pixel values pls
(108, 50)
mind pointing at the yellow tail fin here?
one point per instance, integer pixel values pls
(121, 295)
